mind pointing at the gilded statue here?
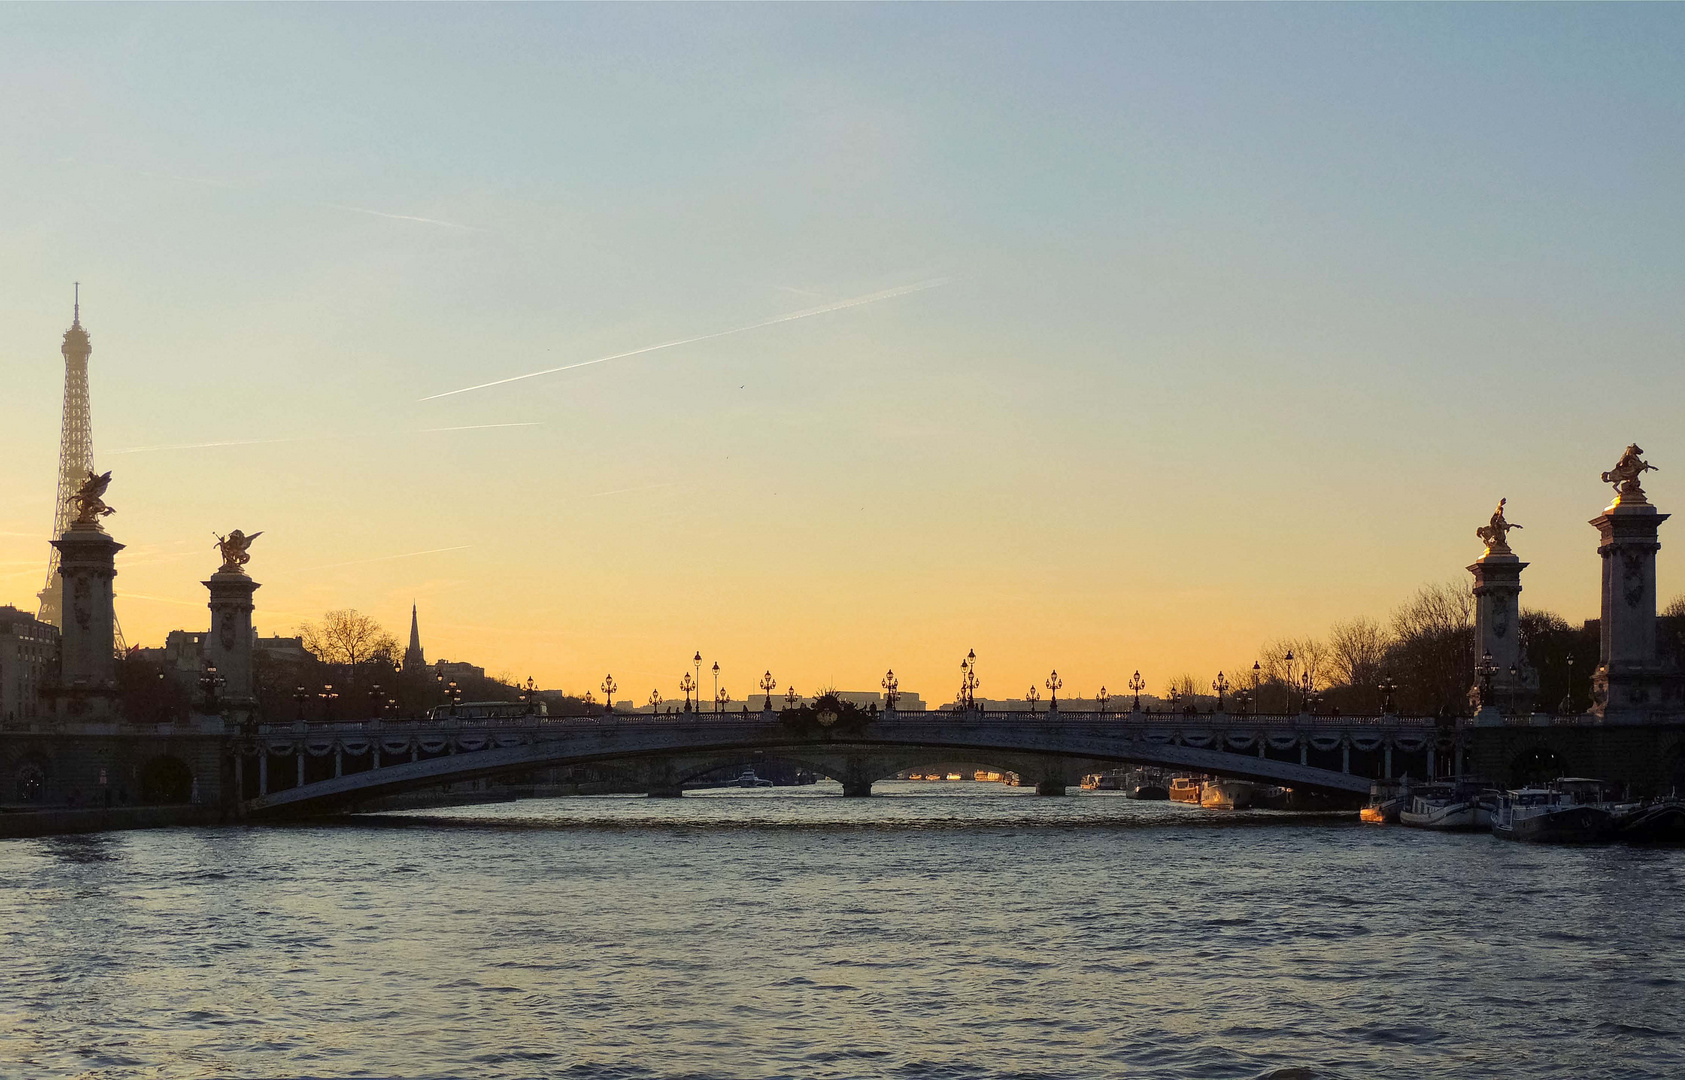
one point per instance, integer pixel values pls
(233, 547)
(89, 500)
(1496, 534)
(1627, 470)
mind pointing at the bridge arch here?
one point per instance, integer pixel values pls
(1536, 765)
(30, 780)
(165, 780)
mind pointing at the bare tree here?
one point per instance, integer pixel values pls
(1432, 651)
(348, 637)
(1675, 608)
(1357, 650)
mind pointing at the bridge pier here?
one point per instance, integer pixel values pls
(856, 788)
(1050, 785)
(662, 780)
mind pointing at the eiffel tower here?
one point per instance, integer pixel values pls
(76, 460)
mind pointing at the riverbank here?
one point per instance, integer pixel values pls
(17, 824)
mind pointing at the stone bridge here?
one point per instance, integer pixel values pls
(297, 770)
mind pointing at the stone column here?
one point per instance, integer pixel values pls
(1497, 618)
(87, 662)
(229, 644)
(1629, 679)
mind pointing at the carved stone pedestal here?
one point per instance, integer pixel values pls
(87, 668)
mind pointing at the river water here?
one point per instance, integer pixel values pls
(942, 931)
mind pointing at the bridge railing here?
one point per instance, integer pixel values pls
(972, 717)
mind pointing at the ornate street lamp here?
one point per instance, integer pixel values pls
(1220, 684)
(1137, 684)
(1243, 698)
(717, 686)
(1485, 670)
(529, 694)
(696, 661)
(1102, 698)
(1567, 706)
(609, 687)
(968, 680)
(1054, 684)
(768, 684)
(1387, 688)
(654, 701)
(455, 693)
(376, 696)
(590, 700)
(891, 689)
(209, 683)
(1306, 685)
(720, 699)
(687, 684)
(1032, 696)
(328, 696)
(791, 698)
(301, 695)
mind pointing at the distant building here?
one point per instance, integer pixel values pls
(28, 654)
(457, 671)
(414, 658)
(280, 650)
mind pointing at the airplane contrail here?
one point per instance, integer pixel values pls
(320, 438)
(870, 298)
(401, 217)
(205, 445)
(382, 558)
(482, 427)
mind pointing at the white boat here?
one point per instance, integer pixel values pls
(1448, 808)
(1570, 810)
(748, 779)
(1226, 794)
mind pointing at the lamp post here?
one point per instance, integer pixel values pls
(1103, 699)
(1054, 684)
(209, 682)
(1137, 684)
(328, 695)
(720, 699)
(654, 701)
(1243, 699)
(791, 698)
(529, 694)
(1568, 691)
(1032, 696)
(1306, 685)
(1220, 684)
(696, 661)
(1485, 670)
(687, 684)
(301, 695)
(609, 687)
(1387, 688)
(968, 679)
(768, 684)
(376, 696)
(455, 693)
(1289, 679)
(891, 689)
(1175, 697)
(717, 686)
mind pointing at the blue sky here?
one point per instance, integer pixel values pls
(1251, 313)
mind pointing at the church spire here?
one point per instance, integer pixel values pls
(414, 660)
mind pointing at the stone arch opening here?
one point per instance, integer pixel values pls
(1537, 766)
(32, 783)
(165, 780)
